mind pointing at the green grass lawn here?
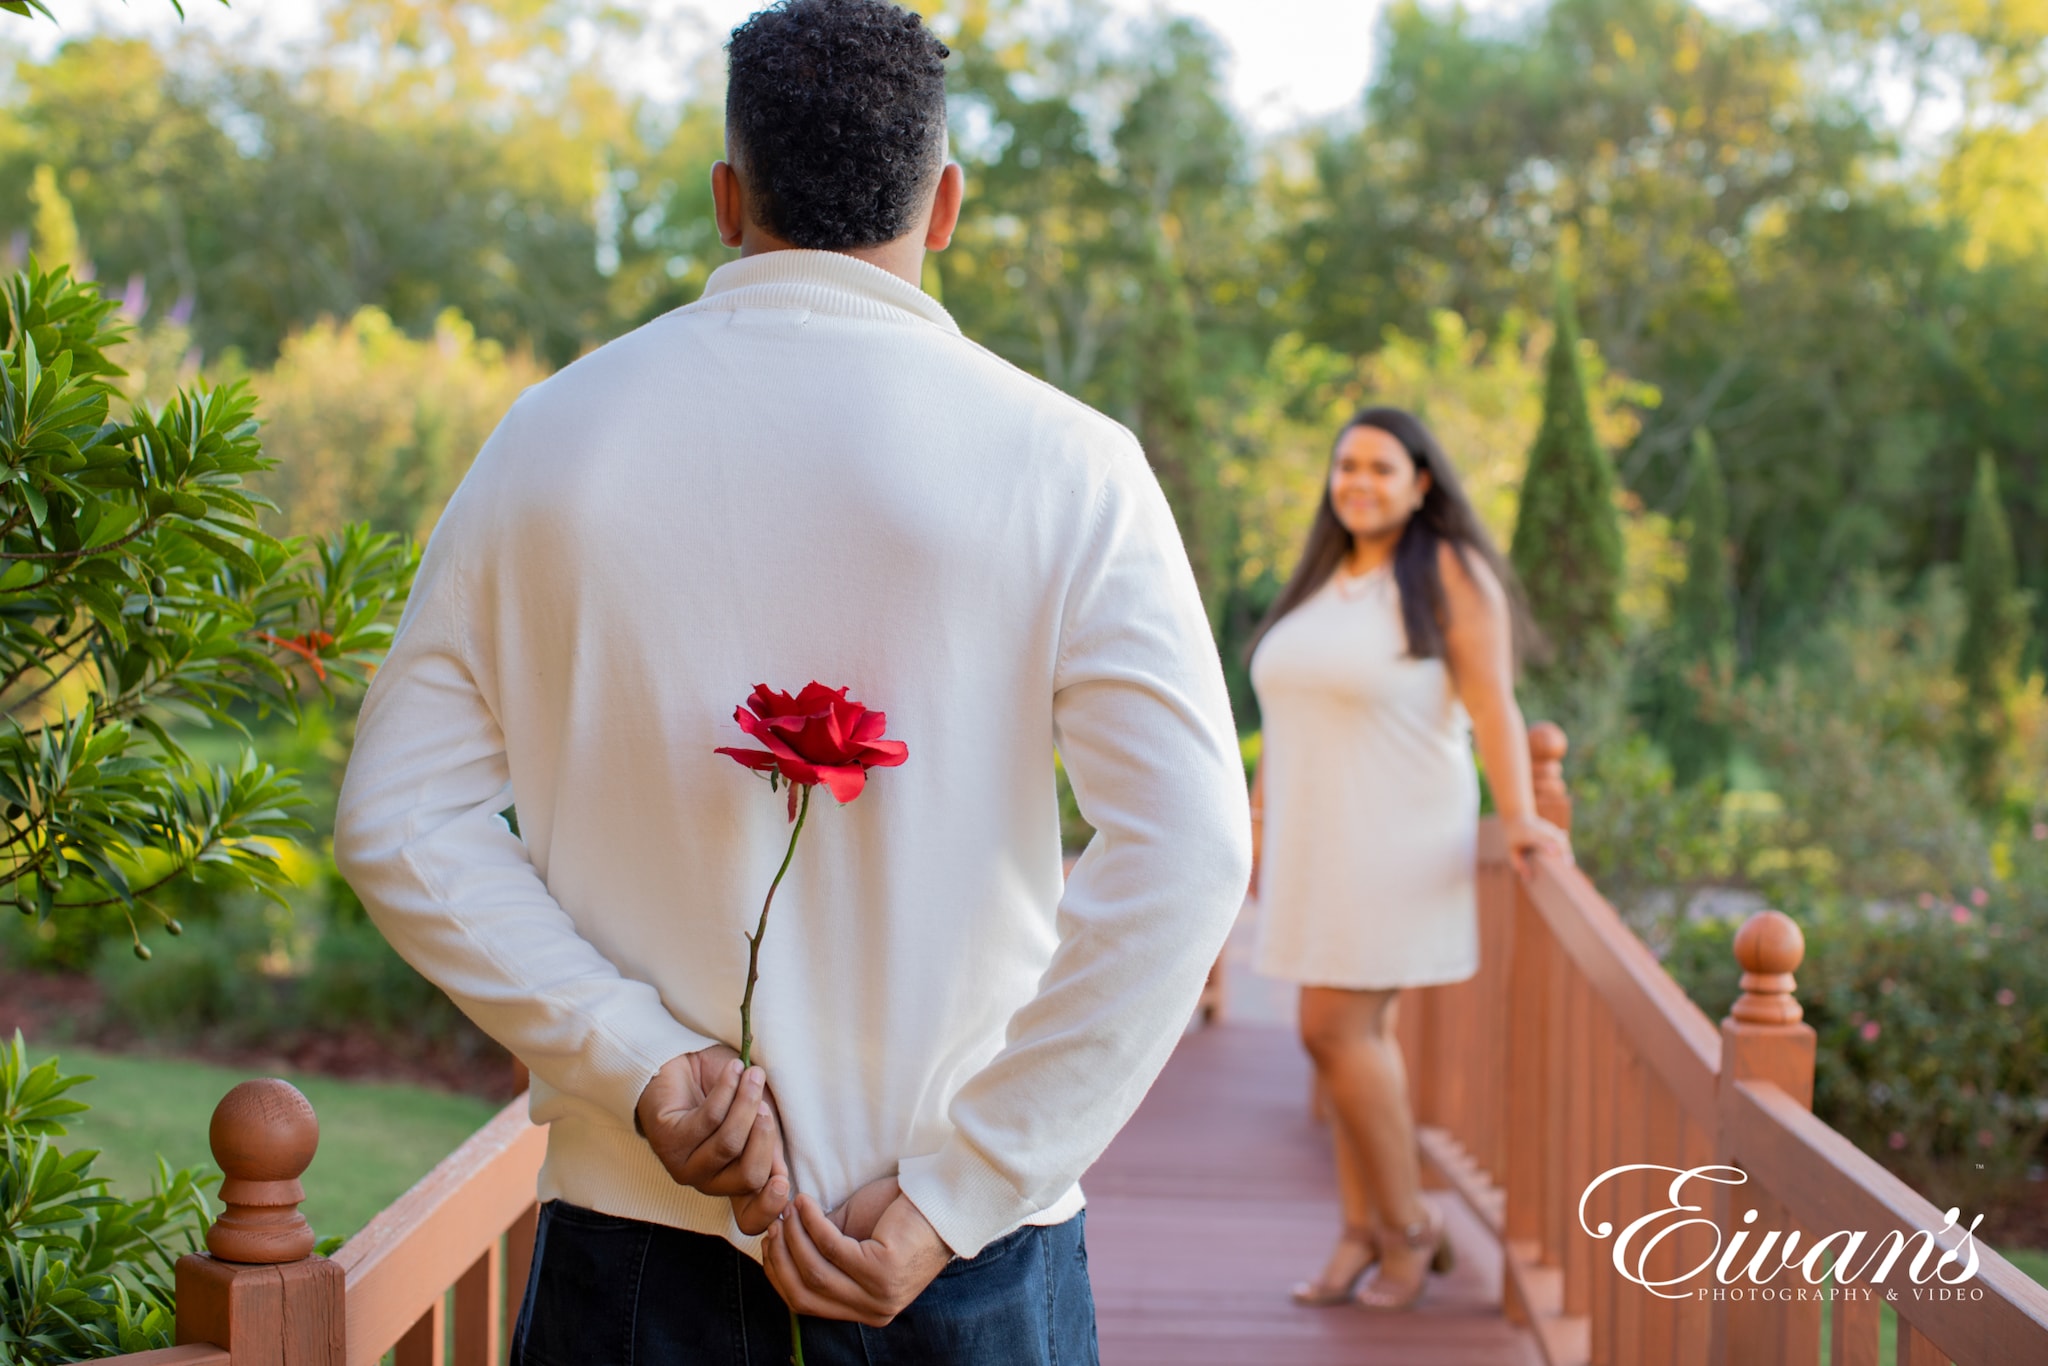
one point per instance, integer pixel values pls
(376, 1139)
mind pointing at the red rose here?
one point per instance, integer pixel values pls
(818, 736)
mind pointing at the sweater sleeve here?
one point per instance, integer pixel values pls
(1143, 723)
(419, 836)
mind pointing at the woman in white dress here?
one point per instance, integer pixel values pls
(1391, 649)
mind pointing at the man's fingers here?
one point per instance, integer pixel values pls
(758, 1212)
(848, 1256)
(713, 1156)
(690, 1124)
(807, 1279)
(757, 1160)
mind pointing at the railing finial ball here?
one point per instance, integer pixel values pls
(1547, 743)
(1770, 948)
(264, 1134)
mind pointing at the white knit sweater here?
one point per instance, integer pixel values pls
(808, 474)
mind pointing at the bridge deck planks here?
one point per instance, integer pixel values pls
(1220, 1194)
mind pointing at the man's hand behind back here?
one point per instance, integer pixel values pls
(714, 1127)
(866, 1261)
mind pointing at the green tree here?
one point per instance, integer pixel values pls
(1701, 645)
(1994, 638)
(137, 591)
(1567, 547)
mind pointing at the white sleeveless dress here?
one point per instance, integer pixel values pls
(1371, 801)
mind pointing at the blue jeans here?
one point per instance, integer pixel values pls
(607, 1291)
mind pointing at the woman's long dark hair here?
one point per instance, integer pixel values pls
(1445, 518)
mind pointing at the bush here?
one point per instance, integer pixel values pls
(83, 1273)
(358, 980)
(1932, 1024)
(1857, 737)
(366, 423)
(209, 981)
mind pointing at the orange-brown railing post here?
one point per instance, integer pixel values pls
(257, 1290)
(1547, 747)
(1763, 1039)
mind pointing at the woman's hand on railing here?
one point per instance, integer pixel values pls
(1528, 836)
(715, 1128)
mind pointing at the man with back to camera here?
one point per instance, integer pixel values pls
(808, 473)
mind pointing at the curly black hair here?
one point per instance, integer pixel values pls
(835, 111)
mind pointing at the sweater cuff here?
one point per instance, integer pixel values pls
(966, 1199)
(618, 1067)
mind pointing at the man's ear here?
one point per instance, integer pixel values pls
(728, 203)
(938, 233)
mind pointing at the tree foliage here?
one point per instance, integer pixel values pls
(1994, 638)
(1700, 646)
(138, 592)
(1567, 548)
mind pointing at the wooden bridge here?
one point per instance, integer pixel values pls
(1572, 1053)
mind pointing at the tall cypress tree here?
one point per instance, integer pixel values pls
(1702, 621)
(1567, 548)
(1994, 636)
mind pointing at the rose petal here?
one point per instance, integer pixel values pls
(756, 759)
(767, 702)
(884, 753)
(844, 782)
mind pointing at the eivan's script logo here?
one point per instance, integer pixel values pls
(1775, 1251)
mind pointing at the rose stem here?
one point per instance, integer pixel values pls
(796, 1332)
(754, 940)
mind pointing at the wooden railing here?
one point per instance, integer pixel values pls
(1570, 1054)
(1573, 1053)
(257, 1297)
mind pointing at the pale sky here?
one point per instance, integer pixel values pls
(1290, 59)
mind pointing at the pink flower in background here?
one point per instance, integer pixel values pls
(1985, 1138)
(1959, 913)
(2041, 830)
(1897, 1140)
(2005, 996)
(1979, 897)
(1869, 1031)
(1926, 901)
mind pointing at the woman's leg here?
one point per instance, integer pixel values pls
(1350, 1035)
(1355, 1250)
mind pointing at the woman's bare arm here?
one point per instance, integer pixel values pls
(1479, 650)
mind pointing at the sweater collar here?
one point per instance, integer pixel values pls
(824, 282)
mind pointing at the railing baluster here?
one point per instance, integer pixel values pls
(1577, 1170)
(1602, 1208)
(1557, 1075)
(1527, 993)
(1662, 1139)
(426, 1342)
(519, 1263)
(1853, 1332)
(1632, 1198)
(1915, 1348)
(1695, 1316)
(479, 1311)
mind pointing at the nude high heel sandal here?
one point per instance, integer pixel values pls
(1426, 1232)
(1319, 1294)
